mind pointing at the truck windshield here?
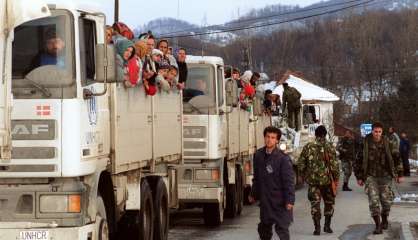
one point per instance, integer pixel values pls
(42, 56)
(199, 95)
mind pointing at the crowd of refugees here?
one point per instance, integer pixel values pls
(145, 61)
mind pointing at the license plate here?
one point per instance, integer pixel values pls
(34, 235)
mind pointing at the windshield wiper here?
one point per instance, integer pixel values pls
(43, 89)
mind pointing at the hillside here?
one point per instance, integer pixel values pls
(269, 15)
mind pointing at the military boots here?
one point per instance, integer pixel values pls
(378, 229)
(385, 223)
(346, 188)
(317, 224)
(327, 226)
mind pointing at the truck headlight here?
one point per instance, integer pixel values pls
(283, 147)
(247, 167)
(60, 203)
(207, 174)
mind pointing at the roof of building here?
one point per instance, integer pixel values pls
(309, 91)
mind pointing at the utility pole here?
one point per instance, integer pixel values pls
(250, 53)
(202, 37)
(176, 40)
(116, 11)
(245, 63)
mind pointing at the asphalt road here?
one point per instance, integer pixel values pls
(351, 221)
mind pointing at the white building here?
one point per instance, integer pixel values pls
(313, 97)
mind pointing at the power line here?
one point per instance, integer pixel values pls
(265, 17)
(271, 24)
(385, 70)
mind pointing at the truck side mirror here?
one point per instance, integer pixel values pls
(231, 90)
(105, 63)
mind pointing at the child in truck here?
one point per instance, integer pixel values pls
(161, 79)
(128, 67)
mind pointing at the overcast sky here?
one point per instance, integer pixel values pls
(138, 12)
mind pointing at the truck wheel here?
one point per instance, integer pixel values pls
(101, 219)
(213, 214)
(136, 224)
(161, 211)
(146, 214)
(297, 180)
(231, 201)
(247, 192)
(240, 191)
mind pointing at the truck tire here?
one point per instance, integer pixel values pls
(240, 190)
(297, 180)
(146, 214)
(247, 192)
(139, 225)
(103, 228)
(161, 222)
(213, 214)
(231, 201)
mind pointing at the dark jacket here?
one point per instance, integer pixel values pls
(273, 185)
(404, 148)
(182, 71)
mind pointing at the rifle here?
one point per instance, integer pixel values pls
(331, 178)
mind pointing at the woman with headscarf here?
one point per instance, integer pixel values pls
(127, 62)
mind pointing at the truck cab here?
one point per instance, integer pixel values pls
(52, 146)
(89, 158)
(219, 139)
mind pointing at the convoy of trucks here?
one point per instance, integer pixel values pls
(84, 157)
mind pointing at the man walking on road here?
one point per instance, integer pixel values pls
(375, 169)
(347, 149)
(319, 167)
(273, 185)
(405, 149)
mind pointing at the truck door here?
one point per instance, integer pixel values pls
(12, 14)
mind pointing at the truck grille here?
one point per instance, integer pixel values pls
(194, 145)
(31, 129)
(194, 132)
(28, 168)
(194, 154)
(33, 153)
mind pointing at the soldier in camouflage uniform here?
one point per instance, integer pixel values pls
(376, 168)
(317, 172)
(394, 138)
(346, 148)
(291, 103)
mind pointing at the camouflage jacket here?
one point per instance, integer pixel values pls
(347, 149)
(395, 142)
(312, 165)
(291, 98)
(395, 167)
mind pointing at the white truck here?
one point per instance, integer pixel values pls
(317, 109)
(219, 141)
(82, 157)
